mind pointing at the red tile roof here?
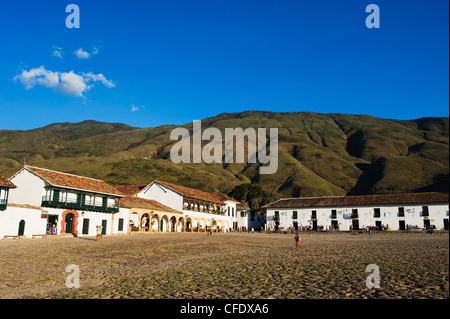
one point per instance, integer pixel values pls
(193, 193)
(372, 200)
(224, 197)
(65, 180)
(137, 202)
(131, 190)
(4, 182)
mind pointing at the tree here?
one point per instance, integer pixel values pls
(252, 195)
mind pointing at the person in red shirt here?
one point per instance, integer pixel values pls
(297, 241)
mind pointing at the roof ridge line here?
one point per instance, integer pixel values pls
(50, 170)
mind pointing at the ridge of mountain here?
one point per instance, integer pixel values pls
(319, 154)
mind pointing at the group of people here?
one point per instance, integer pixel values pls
(368, 229)
(307, 228)
(51, 230)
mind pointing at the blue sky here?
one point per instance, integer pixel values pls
(148, 63)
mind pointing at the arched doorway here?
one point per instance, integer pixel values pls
(69, 222)
(180, 225)
(195, 225)
(164, 224)
(21, 228)
(188, 224)
(173, 222)
(155, 222)
(134, 222)
(201, 226)
(219, 226)
(145, 222)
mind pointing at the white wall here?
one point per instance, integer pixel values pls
(199, 215)
(11, 217)
(96, 218)
(242, 220)
(125, 215)
(231, 214)
(30, 189)
(35, 225)
(174, 200)
(388, 216)
(164, 196)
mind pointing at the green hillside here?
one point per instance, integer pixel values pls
(319, 154)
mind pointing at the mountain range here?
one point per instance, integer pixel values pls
(319, 154)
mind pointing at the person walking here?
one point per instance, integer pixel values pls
(297, 240)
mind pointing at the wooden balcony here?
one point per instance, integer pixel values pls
(48, 201)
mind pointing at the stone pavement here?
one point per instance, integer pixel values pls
(227, 265)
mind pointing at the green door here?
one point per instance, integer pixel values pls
(55, 196)
(69, 223)
(85, 226)
(21, 227)
(104, 223)
(104, 202)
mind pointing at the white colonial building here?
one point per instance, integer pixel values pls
(47, 202)
(395, 211)
(201, 211)
(250, 218)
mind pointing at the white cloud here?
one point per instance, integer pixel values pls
(39, 76)
(57, 52)
(135, 108)
(68, 83)
(73, 84)
(99, 77)
(80, 54)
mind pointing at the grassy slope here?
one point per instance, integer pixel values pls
(319, 154)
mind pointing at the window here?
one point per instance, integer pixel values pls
(120, 224)
(85, 230)
(333, 214)
(314, 214)
(277, 215)
(355, 213)
(425, 211)
(401, 212)
(376, 212)
(294, 214)
(232, 211)
(242, 213)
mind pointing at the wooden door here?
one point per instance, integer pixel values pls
(69, 223)
(104, 223)
(21, 228)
